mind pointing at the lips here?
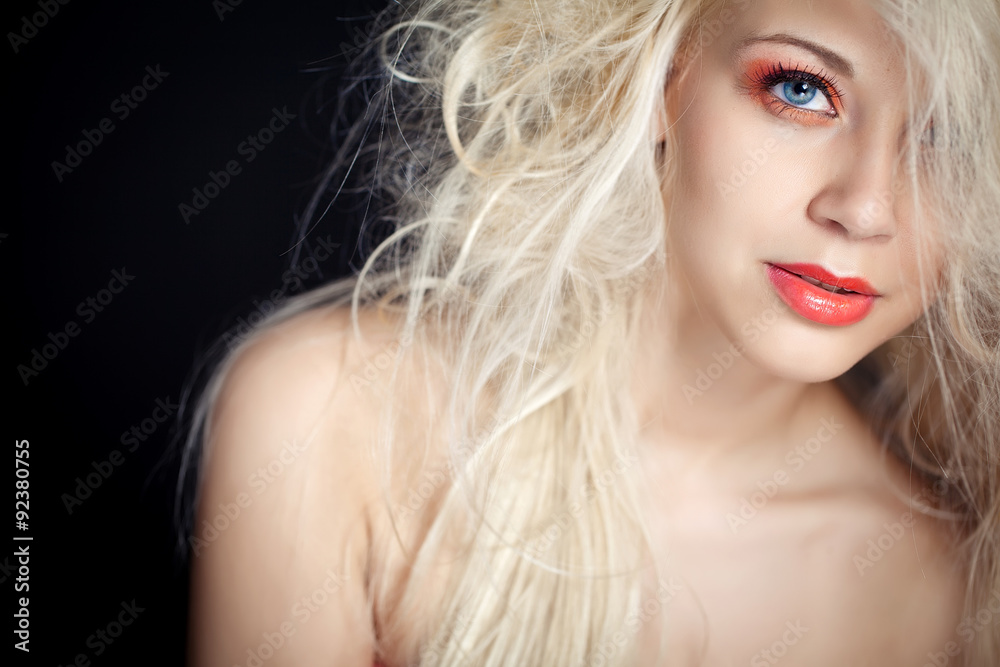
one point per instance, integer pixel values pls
(820, 296)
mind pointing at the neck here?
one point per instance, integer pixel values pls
(693, 385)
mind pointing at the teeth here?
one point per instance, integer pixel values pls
(829, 288)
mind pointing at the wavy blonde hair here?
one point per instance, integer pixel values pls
(514, 142)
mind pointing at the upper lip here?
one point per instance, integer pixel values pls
(818, 273)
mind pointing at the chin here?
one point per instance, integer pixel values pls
(794, 350)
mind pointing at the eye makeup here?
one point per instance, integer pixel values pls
(787, 88)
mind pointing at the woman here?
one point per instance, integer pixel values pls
(684, 351)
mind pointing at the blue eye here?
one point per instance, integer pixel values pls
(792, 89)
(801, 94)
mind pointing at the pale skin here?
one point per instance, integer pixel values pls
(781, 581)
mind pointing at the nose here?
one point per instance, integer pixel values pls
(857, 195)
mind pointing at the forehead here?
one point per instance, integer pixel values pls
(852, 31)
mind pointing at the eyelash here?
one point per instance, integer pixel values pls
(765, 78)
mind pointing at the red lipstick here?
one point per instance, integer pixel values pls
(820, 296)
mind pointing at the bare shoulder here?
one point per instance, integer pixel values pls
(887, 586)
(897, 590)
(282, 531)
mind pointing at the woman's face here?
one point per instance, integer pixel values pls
(789, 121)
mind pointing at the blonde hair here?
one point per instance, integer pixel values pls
(516, 147)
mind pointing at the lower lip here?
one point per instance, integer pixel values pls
(817, 304)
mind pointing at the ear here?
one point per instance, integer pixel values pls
(666, 114)
(658, 123)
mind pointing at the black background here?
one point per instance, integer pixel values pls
(62, 240)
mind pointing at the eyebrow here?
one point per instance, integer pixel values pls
(832, 59)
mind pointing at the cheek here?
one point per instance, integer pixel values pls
(708, 142)
(920, 257)
(733, 179)
(920, 274)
